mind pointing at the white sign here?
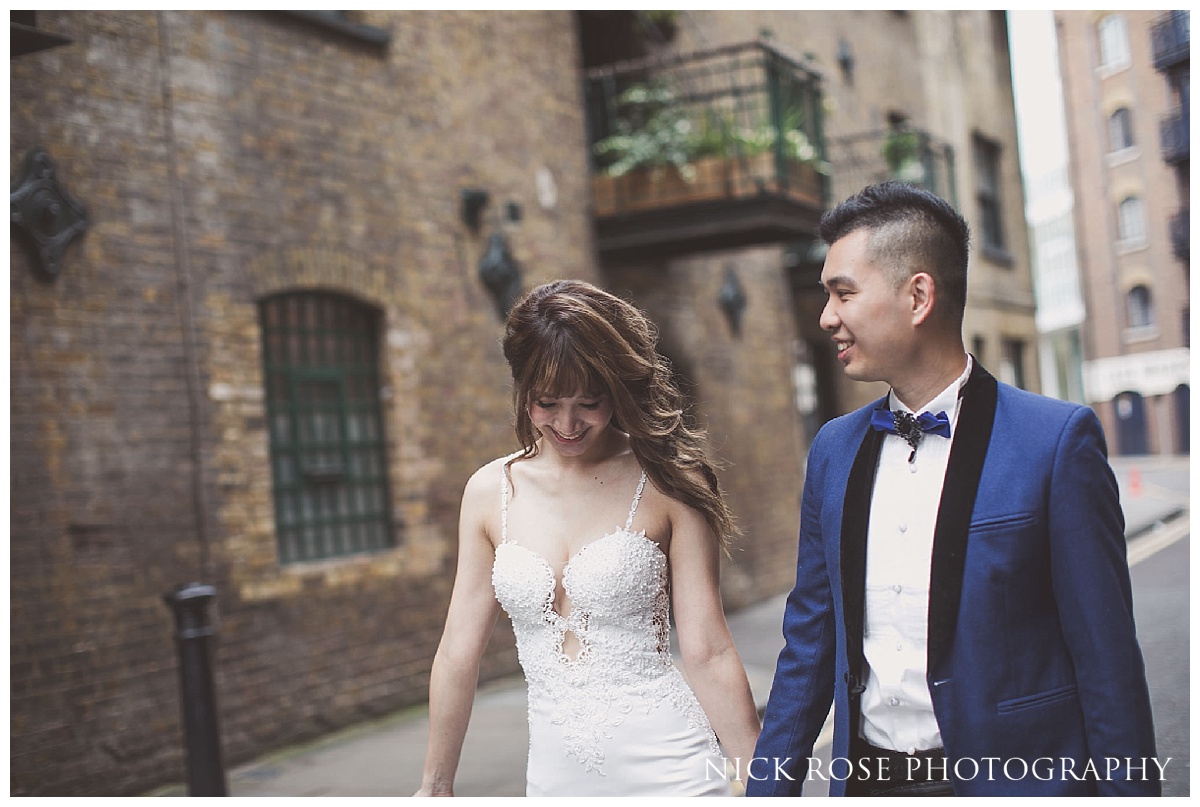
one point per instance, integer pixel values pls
(1149, 374)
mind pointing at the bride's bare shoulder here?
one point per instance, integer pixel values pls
(486, 480)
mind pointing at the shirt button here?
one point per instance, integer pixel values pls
(912, 467)
(896, 588)
(899, 646)
(902, 527)
(910, 750)
(894, 701)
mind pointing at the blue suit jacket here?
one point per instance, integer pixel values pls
(1032, 650)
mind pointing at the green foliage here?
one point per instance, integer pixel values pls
(661, 17)
(794, 145)
(900, 148)
(653, 130)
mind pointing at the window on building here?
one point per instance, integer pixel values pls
(1012, 362)
(987, 195)
(1139, 307)
(1120, 130)
(1114, 42)
(977, 344)
(1131, 221)
(328, 458)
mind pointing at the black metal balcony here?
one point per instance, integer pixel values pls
(910, 155)
(1174, 132)
(1181, 234)
(708, 150)
(1170, 37)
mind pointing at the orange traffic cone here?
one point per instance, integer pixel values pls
(1135, 482)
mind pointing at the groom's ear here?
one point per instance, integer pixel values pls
(922, 294)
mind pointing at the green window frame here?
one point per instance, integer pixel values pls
(327, 447)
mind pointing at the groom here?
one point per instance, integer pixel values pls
(962, 594)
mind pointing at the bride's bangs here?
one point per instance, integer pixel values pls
(562, 371)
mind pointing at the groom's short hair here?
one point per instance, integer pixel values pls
(911, 230)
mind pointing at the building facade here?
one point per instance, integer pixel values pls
(258, 273)
(1060, 312)
(940, 84)
(1126, 93)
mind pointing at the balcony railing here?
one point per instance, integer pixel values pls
(1170, 36)
(1181, 234)
(1174, 132)
(705, 150)
(909, 155)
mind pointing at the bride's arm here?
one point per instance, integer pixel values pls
(469, 624)
(714, 668)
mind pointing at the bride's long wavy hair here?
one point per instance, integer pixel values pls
(569, 337)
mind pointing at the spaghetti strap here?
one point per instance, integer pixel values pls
(504, 497)
(637, 497)
(503, 504)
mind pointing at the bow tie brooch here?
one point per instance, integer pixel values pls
(911, 428)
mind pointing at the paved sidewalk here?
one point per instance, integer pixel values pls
(384, 757)
(1154, 489)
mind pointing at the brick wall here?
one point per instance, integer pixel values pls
(103, 516)
(947, 73)
(228, 156)
(224, 156)
(741, 386)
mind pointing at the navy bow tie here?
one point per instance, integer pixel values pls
(911, 428)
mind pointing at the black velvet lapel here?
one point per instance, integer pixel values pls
(963, 472)
(856, 511)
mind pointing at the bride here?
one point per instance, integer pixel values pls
(608, 518)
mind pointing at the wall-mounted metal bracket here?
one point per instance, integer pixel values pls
(732, 299)
(473, 202)
(42, 209)
(501, 274)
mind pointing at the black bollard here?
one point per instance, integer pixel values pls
(202, 738)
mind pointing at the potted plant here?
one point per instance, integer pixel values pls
(902, 152)
(789, 163)
(661, 25)
(663, 153)
(653, 151)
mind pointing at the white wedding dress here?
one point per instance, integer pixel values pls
(618, 719)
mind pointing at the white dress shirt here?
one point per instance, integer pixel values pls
(897, 712)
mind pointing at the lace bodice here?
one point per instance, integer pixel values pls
(617, 585)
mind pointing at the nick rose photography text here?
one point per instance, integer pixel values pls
(1043, 769)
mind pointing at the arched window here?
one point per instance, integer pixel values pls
(1139, 307)
(1120, 130)
(1114, 43)
(1131, 222)
(328, 458)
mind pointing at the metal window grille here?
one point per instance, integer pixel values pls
(1171, 39)
(328, 456)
